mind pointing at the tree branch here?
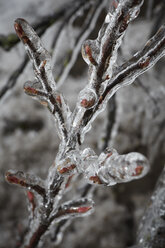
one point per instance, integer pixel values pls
(42, 68)
(152, 228)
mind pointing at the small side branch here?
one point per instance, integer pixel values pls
(111, 168)
(75, 208)
(101, 55)
(41, 61)
(26, 181)
(130, 70)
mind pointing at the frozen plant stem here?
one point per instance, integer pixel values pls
(105, 78)
(152, 228)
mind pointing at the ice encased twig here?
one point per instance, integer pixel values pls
(111, 168)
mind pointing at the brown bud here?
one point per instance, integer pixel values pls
(87, 104)
(64, 170)
(30, 90)
(89, 54)
(138, 170)
(144, 64)
(58, 99)
(20, 32)
(95, 179)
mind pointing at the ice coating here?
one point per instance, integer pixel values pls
(151, 231)
(41, 61)
(101, 55)
(87, 98)
(67, 163)
(74, 208)
(111, 168)
(123, 168)
(46, 198)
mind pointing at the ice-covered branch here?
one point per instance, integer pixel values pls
(101, 55)
(111, 168)
(125, 75)
(105, 78)
(7, 42)
(30, 182)
(152, 228)
(74, 208)
(138, 64)
(41, 61)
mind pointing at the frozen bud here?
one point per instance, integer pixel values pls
(123, 168)
(90, 52)
(87, 98)
(35, 90)
(15, 177)
(20, 25)
(31, 88)
(75, 208)
(144, 63)
(66, 169)
(138, 164)
(68, 164)
(58, 99)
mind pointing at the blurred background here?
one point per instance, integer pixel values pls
(133, 121)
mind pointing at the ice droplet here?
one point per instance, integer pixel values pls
(108, 17)
(87, 98)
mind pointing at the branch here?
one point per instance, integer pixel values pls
(101, 55)
(129, 71)
(9, 41)
(61, 226)
(152, 228)
(74, 208)
(25, 180)
(111, 168)
(41, 61)
(138, 64)
(36, 236)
